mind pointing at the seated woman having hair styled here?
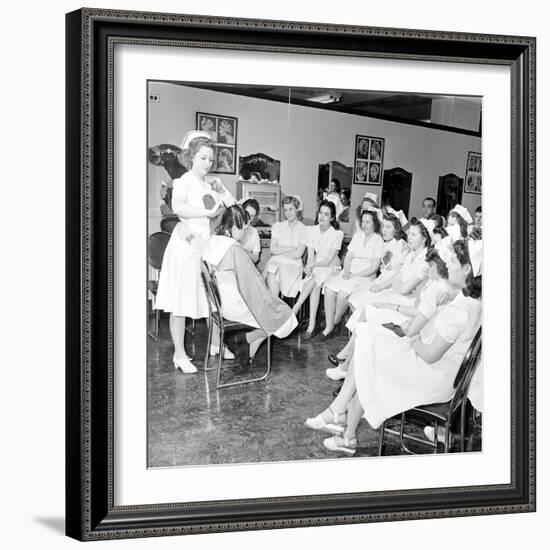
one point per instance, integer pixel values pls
(244, 295)
(390, 374)
(323, 241)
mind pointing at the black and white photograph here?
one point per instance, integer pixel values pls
(222, 131)
(278, 333)
(472, 182)
(369, 156)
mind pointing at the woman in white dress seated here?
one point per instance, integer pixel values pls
(404, 283)
(361, 265)
(390, 374)
(283, 271)
(410, 320)
(395, 253)
(196, 200)
(324, 241)
(244, 295)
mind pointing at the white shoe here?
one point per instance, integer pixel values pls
(185, 365)
(336, 373)
(214, 350)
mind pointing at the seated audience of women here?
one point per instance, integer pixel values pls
(324, 241)
(403, 284)
(360, 267)
(436, 292)
(244, 295)
(283, 271)
(390, 374)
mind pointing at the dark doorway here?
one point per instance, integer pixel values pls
(396, 189)
(449, 193)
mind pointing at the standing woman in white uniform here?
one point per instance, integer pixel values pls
(283, 271)
(324, 241)
(196, 201)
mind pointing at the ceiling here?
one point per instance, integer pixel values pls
(395, 106)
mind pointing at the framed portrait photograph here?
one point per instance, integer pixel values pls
(369, 155)
(472, 180)
(237, 357)
(223, 132)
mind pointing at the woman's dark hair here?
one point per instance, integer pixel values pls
(233, 215)
(440, 231)
(194, 146)
(374, 217)
(336, 182)
(252, 202)
(423, 231)
(332, 208)
(437, 219)
(433, 257)
(346, 192)
(398, 233)
(478, 209)
(473, 284)
(462, 223)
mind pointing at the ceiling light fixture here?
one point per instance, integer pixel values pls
(326, 98)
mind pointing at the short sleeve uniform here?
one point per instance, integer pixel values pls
(288, 271)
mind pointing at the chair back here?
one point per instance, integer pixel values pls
(466, 371)
(212, 294)
(157, 245)
(168, 223)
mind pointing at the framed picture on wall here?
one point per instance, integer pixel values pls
(223, 131)
(472, 179)
(117, 486)
(369, 156)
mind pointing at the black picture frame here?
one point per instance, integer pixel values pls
(221, 145)
(90, 510)
(368, 164)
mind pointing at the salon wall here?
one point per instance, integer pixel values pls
(312, 137)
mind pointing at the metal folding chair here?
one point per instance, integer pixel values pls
(157, 245)
(440, 414)
(224, 326)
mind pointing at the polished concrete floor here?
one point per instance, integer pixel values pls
(192, 423)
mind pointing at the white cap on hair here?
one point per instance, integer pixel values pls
(429, 225)
(400, 215)
(459, 209)
(191, 135)
(371, 196)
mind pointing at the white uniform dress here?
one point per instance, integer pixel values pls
(365, 251)
(324, 244)
(430, 296)
(415, 265)
(389, 375)
(288, 271)
(180, 289)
